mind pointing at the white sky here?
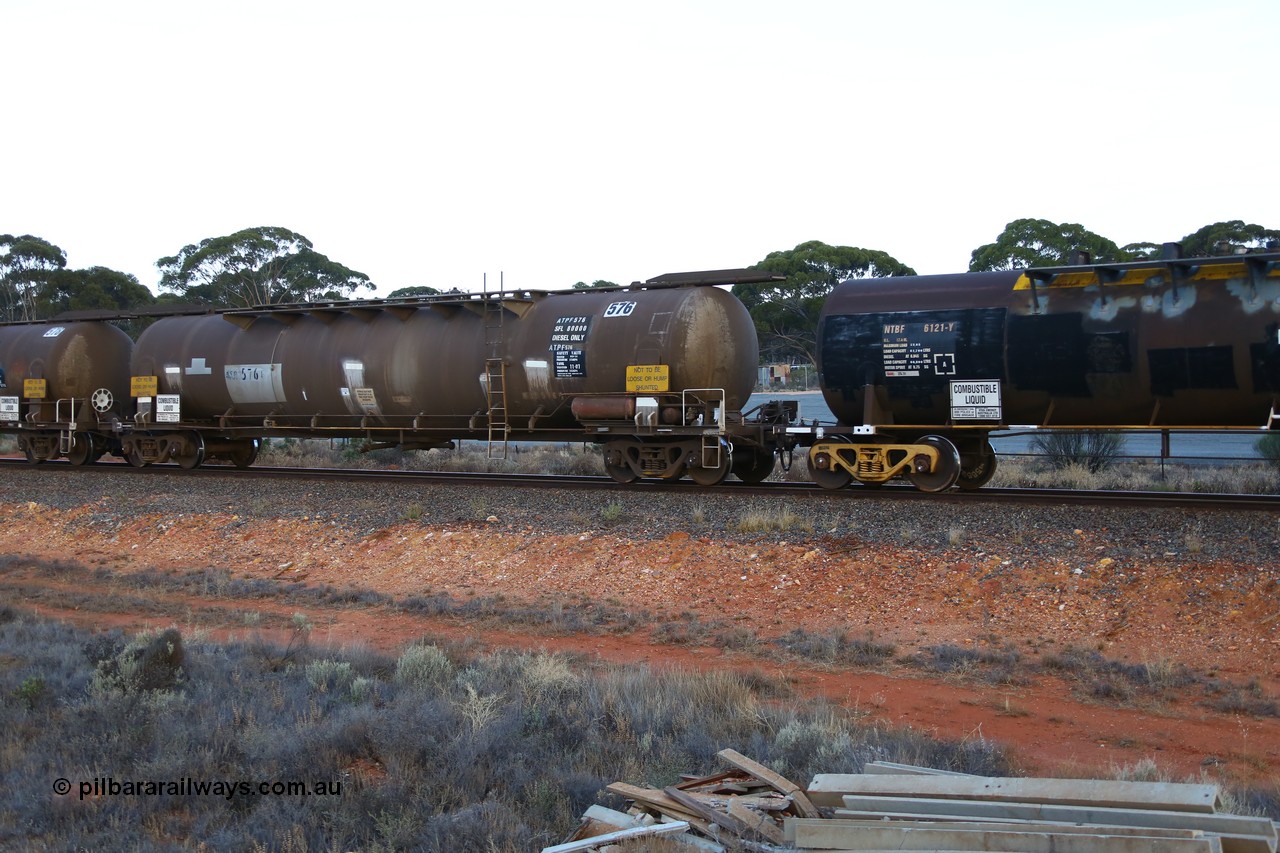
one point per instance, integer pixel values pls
(432, 143)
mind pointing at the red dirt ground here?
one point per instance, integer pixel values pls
(1161, 614)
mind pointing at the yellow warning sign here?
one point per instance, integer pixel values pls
(33, 389)
(648, 378)
(143, 386)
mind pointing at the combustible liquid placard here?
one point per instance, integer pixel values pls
(975, 400)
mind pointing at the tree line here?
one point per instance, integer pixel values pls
(786, 312)
(256, 266)
(271, 265)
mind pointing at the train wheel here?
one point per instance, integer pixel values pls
(752, 465)
(945, 473)
(615, 465)
(83, 452)
(31, 455)
(823, 471)
(133, 456)
(243, 454)
(711, 476)
(977, 469)
(192, 455)
(621, 473)
(837, 479)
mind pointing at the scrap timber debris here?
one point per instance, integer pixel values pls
(902, 807)
(747, 803)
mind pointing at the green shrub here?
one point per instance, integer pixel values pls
(149, 662)
(329, 676)
(1094, 449)
(423, 668)
(31, 691)
(1268, 448)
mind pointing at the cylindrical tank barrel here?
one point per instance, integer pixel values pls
(1145, 347)
(74, 359)
(603, 408)
(383, 362)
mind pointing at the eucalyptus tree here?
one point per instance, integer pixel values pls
(27, 266)
(1226, 238)
(786, 312)
(1041, 243)
(257, 266)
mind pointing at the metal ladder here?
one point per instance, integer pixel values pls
(495, 378)
(712, 443)
(67, 426)
(711, 449)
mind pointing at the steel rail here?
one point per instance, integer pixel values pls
(1182, 500)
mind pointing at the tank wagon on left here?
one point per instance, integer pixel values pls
(656, 374)
(64, 388)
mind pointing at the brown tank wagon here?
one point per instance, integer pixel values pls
(919, 370)
(64, 387)
(656, 373)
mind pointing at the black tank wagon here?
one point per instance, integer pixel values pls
(919, 370)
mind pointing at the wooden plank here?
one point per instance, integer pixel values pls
(1239, 833)
(678, 828)
(828, 835)
(660, 802)
(804, 806)
(691, 782)
(610, 817)
(590, 829)
(770, 802)
(723, 819)
(762, 825)
(736, 759)
(829, 789)
(1053, 827)
(1230, 843)
(697, 842)
(649, 797)
(779, 782)
(892, 768)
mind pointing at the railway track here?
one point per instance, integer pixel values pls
(1185, 500)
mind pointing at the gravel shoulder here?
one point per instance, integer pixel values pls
(1159, 588)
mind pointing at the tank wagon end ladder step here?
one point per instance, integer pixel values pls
(712, 447)
(495, 374)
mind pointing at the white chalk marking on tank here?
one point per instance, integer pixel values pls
(1253, 297)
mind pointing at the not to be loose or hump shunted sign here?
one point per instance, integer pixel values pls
(975, 400)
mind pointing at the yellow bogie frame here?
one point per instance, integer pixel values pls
(931, 463)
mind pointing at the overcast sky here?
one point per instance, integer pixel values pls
(553, 142)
